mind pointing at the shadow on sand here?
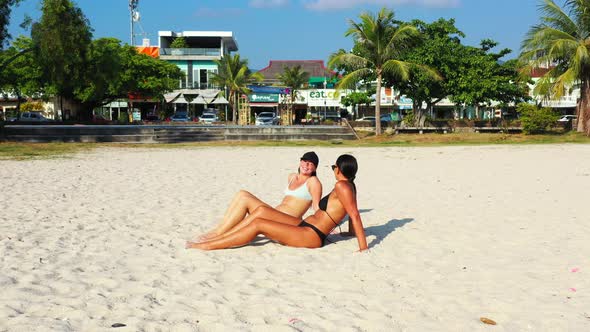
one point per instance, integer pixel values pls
(379, 231)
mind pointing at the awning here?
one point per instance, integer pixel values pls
(199, 100)
(180, 100)
(313, 80)
(220, 101)
(263, 104)
(170, 96)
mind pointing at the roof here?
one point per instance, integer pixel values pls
(539, 71)
(315, 68)
(227, 36)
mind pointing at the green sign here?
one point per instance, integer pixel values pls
(264, 98)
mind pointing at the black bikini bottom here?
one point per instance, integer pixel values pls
(321, 235)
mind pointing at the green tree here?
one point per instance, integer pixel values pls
(22, 75)
(561, 40)
(293, 78)
(61, 40)
(115, 70)
(235, 76)
(479, 77)
(356, 98)
(438, 51)
(179, 42)
(383, 40)
(5, 10)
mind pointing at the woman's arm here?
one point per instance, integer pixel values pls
(355, 224)
(315, 188)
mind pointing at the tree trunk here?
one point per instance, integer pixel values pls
(378, 106)
(233, 106)
(582, 110)
(419, 116)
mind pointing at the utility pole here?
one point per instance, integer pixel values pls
(133, 17)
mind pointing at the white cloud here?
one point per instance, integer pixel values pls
(268, 3)
(345, 4)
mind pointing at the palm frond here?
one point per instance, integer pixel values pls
(555, 17)
(349, 81)
(349, 59)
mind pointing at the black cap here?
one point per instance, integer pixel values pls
(311, 156)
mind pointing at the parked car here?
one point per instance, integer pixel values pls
(266, 119)
(567, 118)
(180, 117)
(33, 116)
(208, 118)
(385, 119)
(152, 117)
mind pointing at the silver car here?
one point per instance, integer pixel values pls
(33, 116)
(266, 119)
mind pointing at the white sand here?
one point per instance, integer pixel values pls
(455, 234)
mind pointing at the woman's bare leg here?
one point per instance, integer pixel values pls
(242, 204)
(264, 212)
(283, 233)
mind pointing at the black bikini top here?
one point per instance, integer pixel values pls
(323, 204)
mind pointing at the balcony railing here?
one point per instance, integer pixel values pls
(566, 101)
(195, 85)
(191, 51)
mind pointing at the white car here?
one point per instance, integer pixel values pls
(208, 118)
(266, 119)
(567, 118)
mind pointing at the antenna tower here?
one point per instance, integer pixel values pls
(134, 17)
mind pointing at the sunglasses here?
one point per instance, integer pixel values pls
(333, 167)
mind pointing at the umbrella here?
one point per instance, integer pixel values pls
(220, 101)
(199, 100)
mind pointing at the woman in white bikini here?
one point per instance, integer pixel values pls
(303, 191)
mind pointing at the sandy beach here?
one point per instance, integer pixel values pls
(455, 234)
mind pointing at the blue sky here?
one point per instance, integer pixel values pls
(298, 29)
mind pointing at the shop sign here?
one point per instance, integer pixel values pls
(264, 98)
(324, 97)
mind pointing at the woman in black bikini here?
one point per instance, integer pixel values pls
(311, 232)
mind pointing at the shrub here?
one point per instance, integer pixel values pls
(409, 119)
(31, 106)
(536, 120)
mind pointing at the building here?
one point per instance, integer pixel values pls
(196, 61)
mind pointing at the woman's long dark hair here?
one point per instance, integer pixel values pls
(348, 167)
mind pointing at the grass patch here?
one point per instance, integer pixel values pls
(25, 151)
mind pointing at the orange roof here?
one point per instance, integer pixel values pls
(152, 51)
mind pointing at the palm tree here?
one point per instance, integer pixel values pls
(235, 76)
(382, 41)
(562, 40)
(293, 78)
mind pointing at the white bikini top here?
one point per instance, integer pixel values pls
(301, 192)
